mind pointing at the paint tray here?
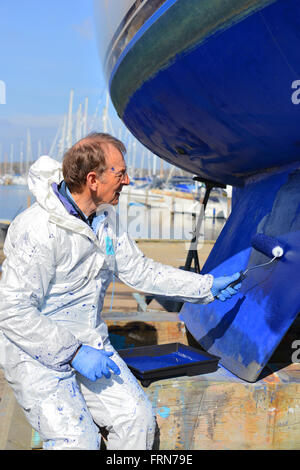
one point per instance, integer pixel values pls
(157, 362)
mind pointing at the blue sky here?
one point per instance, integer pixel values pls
(47, 48)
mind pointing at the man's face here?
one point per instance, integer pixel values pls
(113, 179)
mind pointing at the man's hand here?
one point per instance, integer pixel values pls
(93, 363)
(220, 289)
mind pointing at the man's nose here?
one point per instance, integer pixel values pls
(126, 179)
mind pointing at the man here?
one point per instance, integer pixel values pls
(61, 254)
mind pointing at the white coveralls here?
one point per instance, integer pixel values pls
(53, 284)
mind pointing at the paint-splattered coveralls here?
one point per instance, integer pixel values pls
(53, 284)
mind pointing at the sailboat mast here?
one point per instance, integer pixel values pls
(70, 123)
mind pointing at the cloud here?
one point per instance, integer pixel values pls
(85, 29)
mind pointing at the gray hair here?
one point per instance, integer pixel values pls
(88, 154)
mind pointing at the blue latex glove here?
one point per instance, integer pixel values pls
(93, 363)
(220, 288)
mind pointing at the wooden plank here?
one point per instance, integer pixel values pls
(218, 411)
(286, 413)
(132, 330)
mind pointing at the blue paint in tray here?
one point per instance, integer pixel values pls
(145, 363)
(156, 362)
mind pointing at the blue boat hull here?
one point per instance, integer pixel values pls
(246, 330)
(212, 86)
(223, 107)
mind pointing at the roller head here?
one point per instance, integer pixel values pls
(269, 246)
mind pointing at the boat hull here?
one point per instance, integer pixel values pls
(213, 87)
(222, 106)
(246, 329)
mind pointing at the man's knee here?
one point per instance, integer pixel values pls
(144, 412)
(135, 429)
(144, 420)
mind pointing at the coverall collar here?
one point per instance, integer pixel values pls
(63, 193)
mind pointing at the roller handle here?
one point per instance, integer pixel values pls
(240, 279)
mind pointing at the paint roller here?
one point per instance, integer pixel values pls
(267, 245)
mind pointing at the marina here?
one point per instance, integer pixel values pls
(155, 190)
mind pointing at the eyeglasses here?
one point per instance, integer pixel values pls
(120, 175)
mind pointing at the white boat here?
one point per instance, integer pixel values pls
(177, 201)
(19, 180)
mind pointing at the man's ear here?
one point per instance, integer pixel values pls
(92, 180)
